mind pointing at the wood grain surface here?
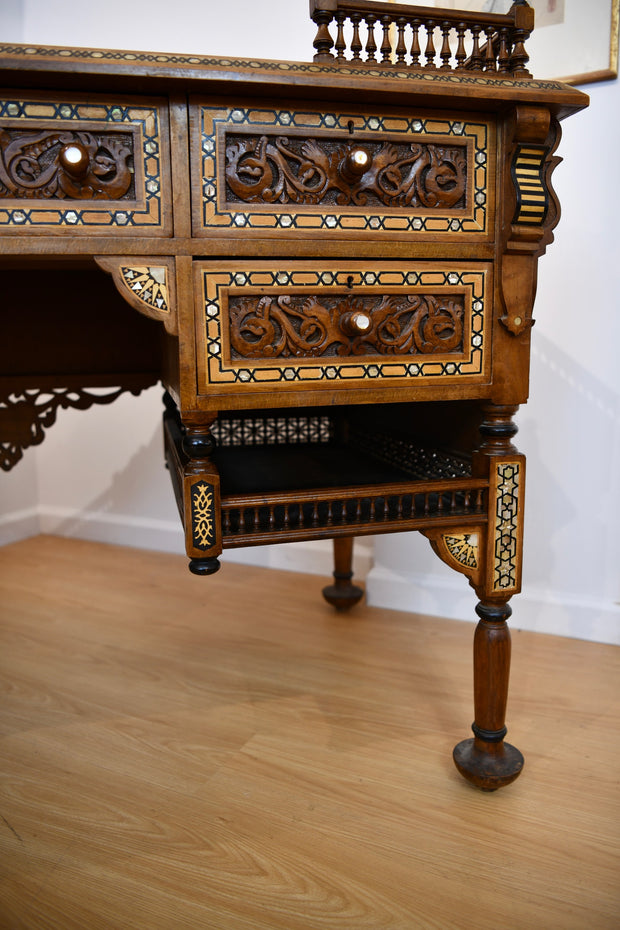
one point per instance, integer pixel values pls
(230, 752)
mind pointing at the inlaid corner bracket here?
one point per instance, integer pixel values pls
(148, 285)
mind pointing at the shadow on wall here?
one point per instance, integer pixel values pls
(119, 449)
(570, 432)
(136, 506)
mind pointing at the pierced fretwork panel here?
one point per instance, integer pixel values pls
(264, 431)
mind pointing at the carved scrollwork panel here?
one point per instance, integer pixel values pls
(353, 172)
(292, 170)
(342, 323)
(82, 165)
(40, 164)
(294, 326)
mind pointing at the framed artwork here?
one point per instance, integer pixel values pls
(575, 41)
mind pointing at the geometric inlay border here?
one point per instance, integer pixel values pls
(508, 497)
(218, 214)
(71, 116)
(220, 371)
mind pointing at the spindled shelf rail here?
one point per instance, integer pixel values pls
(469, 41)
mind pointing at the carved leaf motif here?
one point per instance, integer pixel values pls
(262, 169)
(30, 165)
(203, 504)
(290, 326)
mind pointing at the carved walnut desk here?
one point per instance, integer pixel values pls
(334, 267)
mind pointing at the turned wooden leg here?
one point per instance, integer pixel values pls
(343, 594)
(486, 760)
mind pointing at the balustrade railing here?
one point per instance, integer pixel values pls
(248, 520)
(422, 38)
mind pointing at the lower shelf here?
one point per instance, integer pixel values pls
(281, 491)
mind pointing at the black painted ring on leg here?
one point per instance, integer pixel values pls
(493, 613)
(489, 736)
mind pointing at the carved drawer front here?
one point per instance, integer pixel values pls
(89, 167)
(342, 174)
(336, 326)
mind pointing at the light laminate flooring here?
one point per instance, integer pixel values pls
(181, 753)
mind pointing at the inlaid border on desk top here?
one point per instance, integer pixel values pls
(218, 373)
(147, 123)
(219, 216)
(196, 63)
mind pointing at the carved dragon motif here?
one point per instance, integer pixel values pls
(272, 170)
(297, 326)
(31, 166)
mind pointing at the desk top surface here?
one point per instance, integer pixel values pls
(154, 72)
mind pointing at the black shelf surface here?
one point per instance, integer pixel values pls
(302, 466)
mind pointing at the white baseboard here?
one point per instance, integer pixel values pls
(537, 611)
(21, 524)
(117, 529)
(313, 557)
(437, 596)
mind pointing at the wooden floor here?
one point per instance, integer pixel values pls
(229, 752)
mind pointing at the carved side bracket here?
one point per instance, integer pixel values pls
(461, 549)
(26, 414)
(490, 556)
(149, 286)
(532, 210)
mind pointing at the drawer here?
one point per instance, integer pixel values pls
(84, 166)
(341, 174)
(327, 329)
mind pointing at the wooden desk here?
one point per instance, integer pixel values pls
(334, 268)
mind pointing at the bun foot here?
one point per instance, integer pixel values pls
(488, 766)
(343, 596)
(204, 566)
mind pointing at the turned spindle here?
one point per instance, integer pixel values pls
(486, 761)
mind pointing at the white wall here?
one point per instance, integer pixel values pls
(279, 29)
(569, 430)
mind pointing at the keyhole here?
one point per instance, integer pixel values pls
(351, 127)
(350, 281)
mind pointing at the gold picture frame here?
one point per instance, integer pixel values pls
(575, 41)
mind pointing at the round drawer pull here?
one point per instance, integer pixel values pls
(354, 165)
(356, 323)
(74, 159)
